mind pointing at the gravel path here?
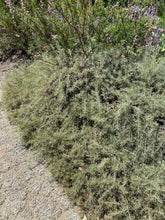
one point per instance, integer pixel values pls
(27, 190)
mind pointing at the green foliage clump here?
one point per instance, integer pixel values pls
(22, 27)
(99, 121)
(32, 26)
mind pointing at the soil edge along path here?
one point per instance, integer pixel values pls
(27, 191)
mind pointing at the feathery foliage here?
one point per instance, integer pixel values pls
(99, 122)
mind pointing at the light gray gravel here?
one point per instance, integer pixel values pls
(27, 191)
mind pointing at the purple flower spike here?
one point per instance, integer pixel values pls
(160, 29)
(50, 9)
(59, 17)
(135, 40)
(149, 44)
(7, 2)
(157, 37)
(2, 29)
(128, 3)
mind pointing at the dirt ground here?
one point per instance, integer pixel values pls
(27, 190)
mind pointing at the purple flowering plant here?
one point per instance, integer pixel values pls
(80, 23)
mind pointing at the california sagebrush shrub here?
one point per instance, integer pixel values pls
(99, 122)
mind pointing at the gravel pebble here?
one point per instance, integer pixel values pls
(27, 191)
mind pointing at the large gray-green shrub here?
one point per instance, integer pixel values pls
(100, 123)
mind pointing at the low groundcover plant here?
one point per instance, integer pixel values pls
(99, 122)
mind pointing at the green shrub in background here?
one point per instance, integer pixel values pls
(34, 25)
(99, 122)
(22, 27)
(79, 23)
